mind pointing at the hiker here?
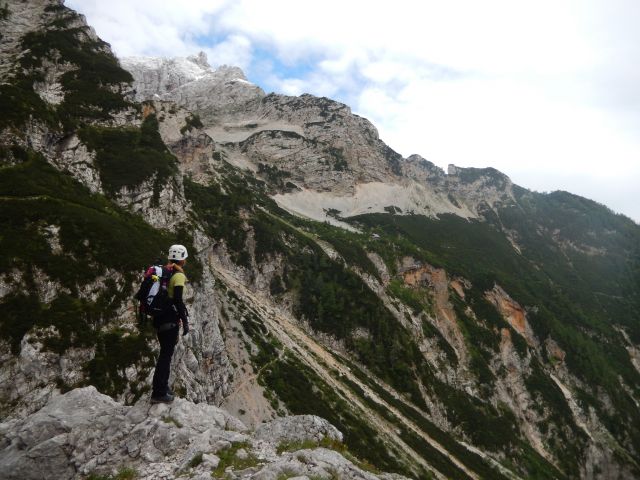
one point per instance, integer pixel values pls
(168, 323)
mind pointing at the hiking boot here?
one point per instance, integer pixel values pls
(166, 398)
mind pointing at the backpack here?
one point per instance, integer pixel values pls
(153, 293)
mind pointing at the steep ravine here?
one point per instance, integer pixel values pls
(327, 366)
(316, 357)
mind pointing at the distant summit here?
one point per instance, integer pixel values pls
(333, 159)
(190, 81)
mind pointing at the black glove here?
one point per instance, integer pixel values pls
(185, 328)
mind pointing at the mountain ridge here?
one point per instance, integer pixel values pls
(273, 112)
(501, 344)
(223, 74)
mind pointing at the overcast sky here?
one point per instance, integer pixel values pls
(547, 92)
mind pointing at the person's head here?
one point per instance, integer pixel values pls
(178, 254)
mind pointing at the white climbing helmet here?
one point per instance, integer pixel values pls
(177, 252)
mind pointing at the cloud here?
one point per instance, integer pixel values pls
(147, 27)
(234, 50)
(540, 90)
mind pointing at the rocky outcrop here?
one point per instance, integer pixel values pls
(25, 17)
(300, 428)
(417, 275)
(84, 432)
(35, 372)
(513, 313)
(193, 84)
(554, 352)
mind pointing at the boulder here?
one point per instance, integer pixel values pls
(299, 428)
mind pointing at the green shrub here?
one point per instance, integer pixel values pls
(267, 347)
(229, 458)
(195, 461)
(92, 234)
(568, 438)
(92, 229)
(125, 473)
(570, 306)
(169, 419)
(55, 8)
(192, 121)
(326, 442)
(19, 103)
(219, 212)
(268, 234)
(473, 461)
(114, 352)
(406, 295)
(337, 301)
(126, 157)
(274, 175)
(339, 162)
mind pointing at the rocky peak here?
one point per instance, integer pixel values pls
(200, 59)
(489, 176)
(421, 169)
(229, 73)
(482, 190)
(192, 83)
(20, 18)
(159, 76)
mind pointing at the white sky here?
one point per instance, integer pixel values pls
(547, 92)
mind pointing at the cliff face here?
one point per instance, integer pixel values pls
(192, 83)
(47, 135)
(452, 325)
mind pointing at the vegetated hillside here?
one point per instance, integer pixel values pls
(505, 372)
(576, 285)
(502, 347)
(76, 158)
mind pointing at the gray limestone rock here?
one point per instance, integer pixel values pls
(297, 428)
(84, 432)
(315, 463)
(192, 83)
(210, 461)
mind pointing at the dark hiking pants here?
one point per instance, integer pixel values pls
(168, 339)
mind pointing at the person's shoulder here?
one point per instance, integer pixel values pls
(179, 278)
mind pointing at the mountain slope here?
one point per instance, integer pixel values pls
(561, 261)
(468, 329)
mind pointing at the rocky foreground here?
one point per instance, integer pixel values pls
(84, 433)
